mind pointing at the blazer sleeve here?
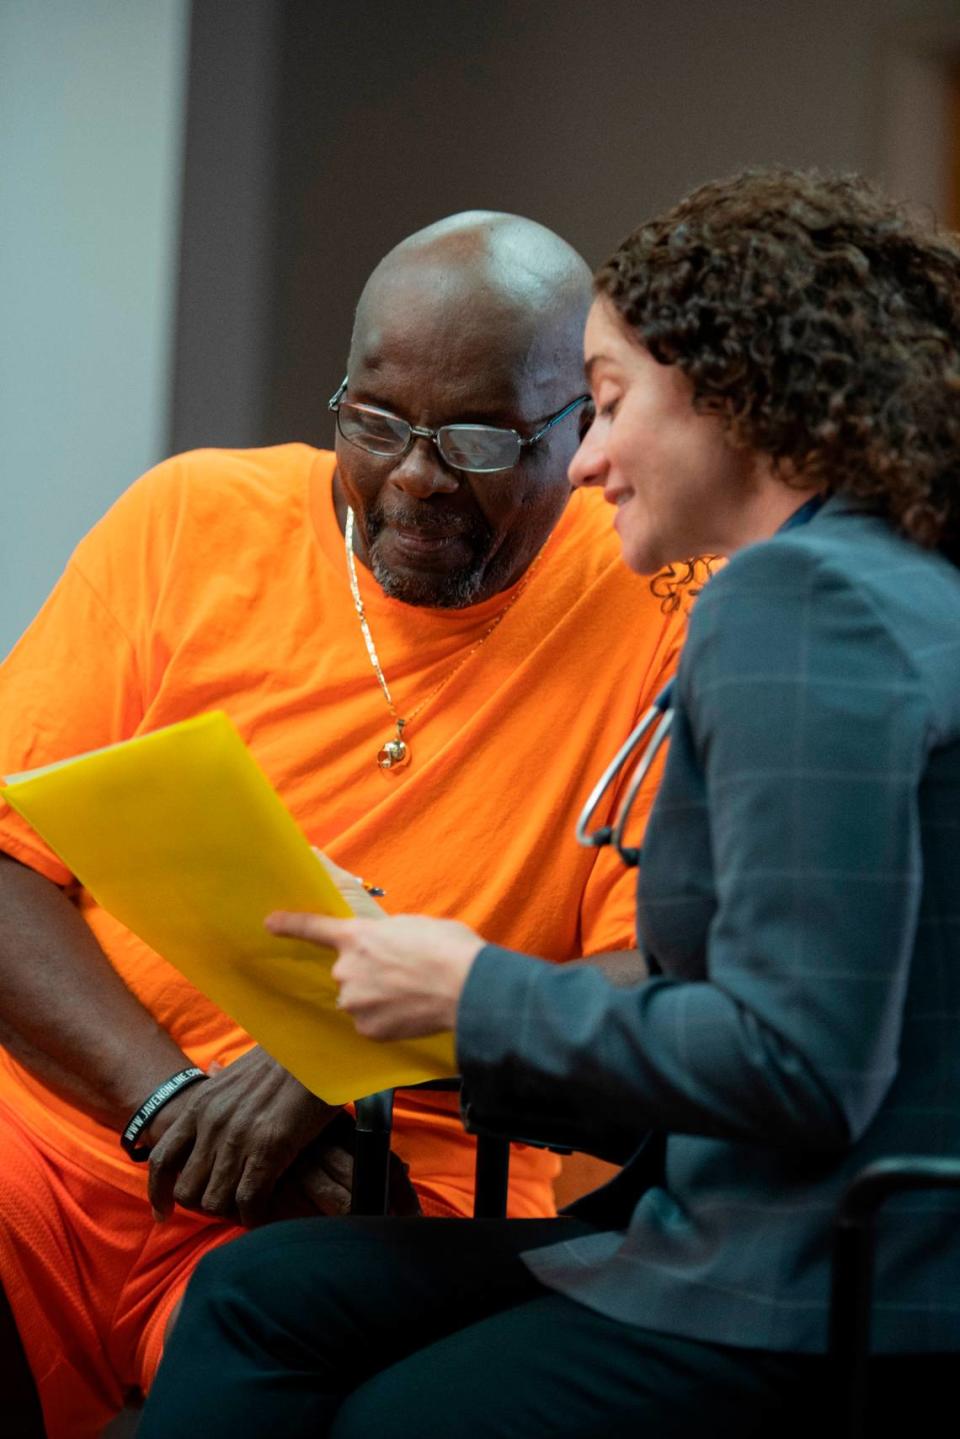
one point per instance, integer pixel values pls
(811, 730)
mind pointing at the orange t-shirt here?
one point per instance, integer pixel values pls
(219, 581)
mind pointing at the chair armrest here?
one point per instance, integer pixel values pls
(374, 1122)
(854, 1245)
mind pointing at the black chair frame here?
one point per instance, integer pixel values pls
(854, 1253)
(854, 1229)
(374, 1122)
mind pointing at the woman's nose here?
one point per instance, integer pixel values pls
(589, 465)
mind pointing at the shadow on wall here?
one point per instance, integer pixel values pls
(316, 141)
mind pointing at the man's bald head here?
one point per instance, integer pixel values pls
(495, 264)
(477, 319)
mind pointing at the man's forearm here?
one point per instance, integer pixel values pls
(622, 967)
(64, 1013)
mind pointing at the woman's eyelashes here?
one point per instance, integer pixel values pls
(595, 410)
(607, 404)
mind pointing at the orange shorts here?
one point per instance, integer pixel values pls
(91, 1280)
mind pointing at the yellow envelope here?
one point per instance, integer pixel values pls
(181, 836)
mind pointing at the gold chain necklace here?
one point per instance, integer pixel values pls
(396, 752)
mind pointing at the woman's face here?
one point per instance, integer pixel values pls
(680, 489)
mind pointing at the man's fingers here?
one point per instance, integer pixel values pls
(163, 1168)
(217, 1195)
(316, 928)
(255, 1188)
(338, 1164)
(326, 1194)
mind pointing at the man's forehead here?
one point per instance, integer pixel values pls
(426, 319)
(462, 370)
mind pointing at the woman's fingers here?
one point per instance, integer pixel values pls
(399, 977)
(337, 934)
(316, 928)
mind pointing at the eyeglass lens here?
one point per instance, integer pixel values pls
(373, 430)
(478, 447)
(465, 447)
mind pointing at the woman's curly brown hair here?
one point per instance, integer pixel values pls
(821, 323)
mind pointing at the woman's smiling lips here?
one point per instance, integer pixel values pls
(617, 497)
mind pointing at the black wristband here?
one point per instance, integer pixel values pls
(152, 1106)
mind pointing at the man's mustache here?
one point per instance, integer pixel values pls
(429, 523)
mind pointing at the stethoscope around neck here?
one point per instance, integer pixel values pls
(645, 741)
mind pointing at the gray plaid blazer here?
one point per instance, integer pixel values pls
(800, 890)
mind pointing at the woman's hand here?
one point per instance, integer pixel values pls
(400, 977)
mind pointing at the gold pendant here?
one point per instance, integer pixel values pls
(394, 754)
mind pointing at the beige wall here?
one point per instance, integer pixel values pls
(90, 133)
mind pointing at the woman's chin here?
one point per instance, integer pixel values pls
(636, 543)
(638, 556)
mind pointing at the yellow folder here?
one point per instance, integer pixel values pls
(181, 836)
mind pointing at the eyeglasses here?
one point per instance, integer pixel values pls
(640, 749)
(480, 449)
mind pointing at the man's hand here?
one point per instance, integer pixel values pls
(321, 1180)
(224, 1147)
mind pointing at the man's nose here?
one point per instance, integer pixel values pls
(422, 473)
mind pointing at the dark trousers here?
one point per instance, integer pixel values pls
(420, 1329)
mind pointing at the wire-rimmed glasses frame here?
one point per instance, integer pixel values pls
(658, 719)
(452, 441)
